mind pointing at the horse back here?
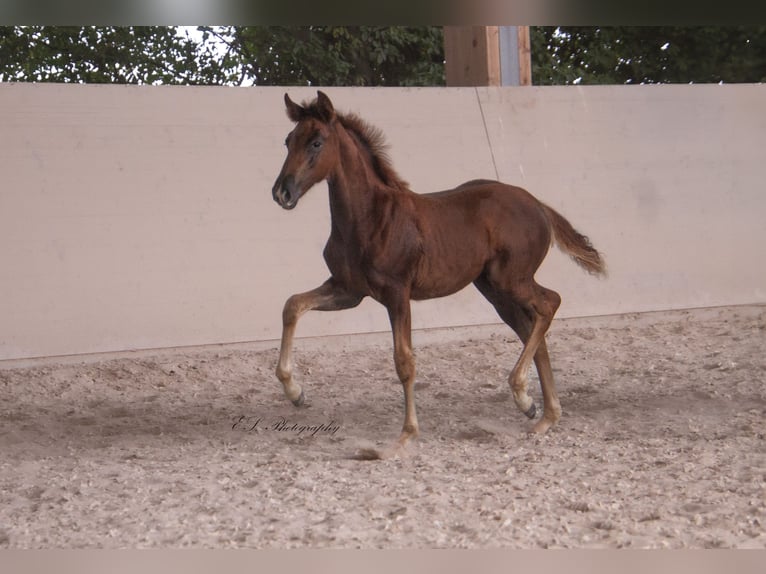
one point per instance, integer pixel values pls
(463, 186)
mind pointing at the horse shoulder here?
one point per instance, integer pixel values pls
(394, 230)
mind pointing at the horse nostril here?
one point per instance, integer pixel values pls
(284, 192)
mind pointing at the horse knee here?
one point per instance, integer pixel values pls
(554, 300)
(405, 365)
(291, 311)
(547, 302)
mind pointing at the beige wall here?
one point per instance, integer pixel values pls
(141, 217)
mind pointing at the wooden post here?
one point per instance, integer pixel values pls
(525, 57)
(473, 55)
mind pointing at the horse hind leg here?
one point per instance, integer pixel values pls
(530, 317)
(539, 305)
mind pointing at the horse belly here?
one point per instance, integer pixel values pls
(450, 266)
(456, 240)
(433, 290)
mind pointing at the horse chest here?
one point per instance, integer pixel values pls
(345, 264)
(367, 272)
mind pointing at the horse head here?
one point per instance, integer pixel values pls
(311, 150)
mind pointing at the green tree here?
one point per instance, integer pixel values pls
(233, 55)
(369, 55)
(648, 54)
(335, 55)
(105, 54)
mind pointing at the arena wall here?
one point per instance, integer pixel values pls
(141, 217)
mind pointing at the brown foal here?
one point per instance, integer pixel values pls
(394, 245)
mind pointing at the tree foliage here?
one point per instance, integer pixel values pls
(368, 55)
(104, 54)
(232, 55)
(646, 54)
(336, 55)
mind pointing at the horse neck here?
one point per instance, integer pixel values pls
(353, 185)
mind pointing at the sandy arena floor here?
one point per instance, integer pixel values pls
(661, 443)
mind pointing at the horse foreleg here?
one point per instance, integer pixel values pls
(327, 297)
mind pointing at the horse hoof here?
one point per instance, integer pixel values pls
(530, 412)
(301, 399)
(367, 454)
(542, 426)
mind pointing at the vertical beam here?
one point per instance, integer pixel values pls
(525, 56)
(473, 55)
(488, 55)
(509, 56)
(492, 39)
(515, 56)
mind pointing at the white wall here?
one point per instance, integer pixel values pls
(141, 217)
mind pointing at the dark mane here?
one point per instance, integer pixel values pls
(371, 138)
(374, 141)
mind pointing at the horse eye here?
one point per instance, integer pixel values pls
(316, 144)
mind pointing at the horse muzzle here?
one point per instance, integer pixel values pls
(285, 193)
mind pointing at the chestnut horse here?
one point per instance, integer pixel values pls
(394, 245)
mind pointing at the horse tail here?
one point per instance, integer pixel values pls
(573, 243)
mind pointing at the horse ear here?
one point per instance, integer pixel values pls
(294, 111)
(325, 107)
